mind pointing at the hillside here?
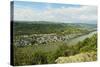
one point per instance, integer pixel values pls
(20, 28)
(86, 52)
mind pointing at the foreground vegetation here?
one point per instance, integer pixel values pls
(86, 51)
(47, 54)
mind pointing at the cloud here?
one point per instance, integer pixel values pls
(62, 14)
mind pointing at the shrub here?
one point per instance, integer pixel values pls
(39, 58)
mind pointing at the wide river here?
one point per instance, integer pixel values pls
(80, 38)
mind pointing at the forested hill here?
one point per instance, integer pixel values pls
(43, 27)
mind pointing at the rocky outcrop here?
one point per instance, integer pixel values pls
(82, 57)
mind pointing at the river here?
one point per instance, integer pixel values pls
(80, 38)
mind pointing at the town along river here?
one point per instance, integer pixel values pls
(80, 38)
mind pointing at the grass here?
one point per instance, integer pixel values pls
(28, 54)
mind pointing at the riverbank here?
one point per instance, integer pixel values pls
(81, 38)
(37, 39)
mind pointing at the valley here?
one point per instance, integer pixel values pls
(49, 41)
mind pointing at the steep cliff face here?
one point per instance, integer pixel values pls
(82, 57)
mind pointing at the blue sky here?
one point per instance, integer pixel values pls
(41, 6)
(37, 11)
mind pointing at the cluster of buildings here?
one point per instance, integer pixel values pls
(36, 39)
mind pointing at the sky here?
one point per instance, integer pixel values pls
(68, 13)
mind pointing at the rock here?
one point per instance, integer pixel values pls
(82, 57)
